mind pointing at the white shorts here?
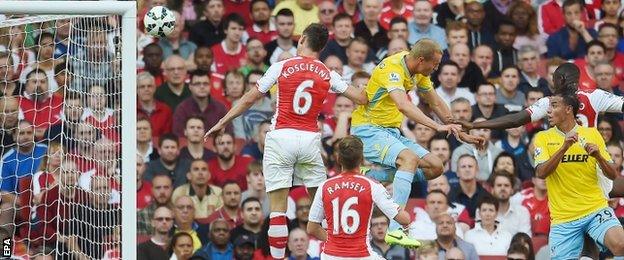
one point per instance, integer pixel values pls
(292, 158)
(373, 256)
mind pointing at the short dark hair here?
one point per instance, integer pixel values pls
(504, 174)
(285, 12)
(217, 136)
(198, 73)
(568, 75)
(571, 100)
(485, 84)
(341, 16)
(568, 3)
(448, 63)
(438, 137)
(536, 90)
(487, 199)
(358, 39)
(316, 36)
(229, 182)
(467, 156)
(610, 25)
(504, 22)
(518, 248)
(194, 117)
(36, 70)
(438, 191)
(249, 200)
(396, 20)
(350, 152)
(233, 18)
(253, 2)
(167, 136)
(596, 43)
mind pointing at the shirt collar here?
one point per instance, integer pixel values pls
(257, 28)
(225, 50)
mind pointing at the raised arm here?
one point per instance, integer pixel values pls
(504, 122)
(241, 106)
(413, 113)
(438, 105)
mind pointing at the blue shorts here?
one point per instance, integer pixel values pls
(383, 145)
(566, 239)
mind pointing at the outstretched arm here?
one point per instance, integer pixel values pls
(413, 113)
(241, 106)
(438, 105)
(504, 122)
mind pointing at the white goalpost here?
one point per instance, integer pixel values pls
(68, 128)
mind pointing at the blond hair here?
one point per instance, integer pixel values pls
(425, 48)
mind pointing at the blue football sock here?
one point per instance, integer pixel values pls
(401, 188)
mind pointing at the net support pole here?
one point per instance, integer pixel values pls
(127, 11)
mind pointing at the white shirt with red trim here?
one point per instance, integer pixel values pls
(346, 202)
(592, 102)
(302, 86)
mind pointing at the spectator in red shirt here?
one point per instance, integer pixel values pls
(152, 62)
(595, 54)
(159, 113)
(203, 61)
(99, 115)
(199, 103)
(230, 211)
(550, 16)
(608, 34)
(227, 165)
(144, 188)
(38, 105)
(396, 8)
(262, 28)
(536, 201)
(231, 53)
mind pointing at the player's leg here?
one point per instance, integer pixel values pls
(277, 167)
(607, 231)
(566, 239)
(310, 169)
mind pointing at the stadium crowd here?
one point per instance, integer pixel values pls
(207, 200)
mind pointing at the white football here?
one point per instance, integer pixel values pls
(159, 21)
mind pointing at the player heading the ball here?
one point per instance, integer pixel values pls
(292, 151)
(346, 202)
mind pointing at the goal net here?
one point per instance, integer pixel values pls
(61, 112)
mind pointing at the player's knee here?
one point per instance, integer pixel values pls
(407, 161)
(618, 248)
(435, 167)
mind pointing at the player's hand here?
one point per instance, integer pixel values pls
(477, 141)
(218, 128)
(453, 129)
(467, 126)
(592, 150)
(571, 138)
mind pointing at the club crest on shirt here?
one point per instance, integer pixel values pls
(394, 77)
(382, 65)
(537, 152)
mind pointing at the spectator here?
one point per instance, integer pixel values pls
(605, 75)
(305, 13)
(228, 165)
(199, 103)
(487, 107)
(206, 198)
(484, 155)
(259, 112)
(162, 189)
(608, 34)
(395, 9)
(181, 246)
(255, 148)
(486, 236)
(496, 11)
(252, 221)
(570, 42)
(453, 253)
(528, 63)
(343, 31)
(10, 86)
(609, 130)
(507, 93)
(233, 87)
(483, 56)
(194, 132)
(469, 191)
(174, 90)
(244, 246)
(256, 54)
(152, 63)
(439, 146)
(513, 143)
(352, 9)
(208, 32)
(302, 212)
(595, 54)
(169, 162)
(479, 32)
(455, 210)
(256, 187)
(456, 32)
(369, 28)
(448, 11)
(63, 76)
(505, 55)
(144, 188)
(461, 110)
(512, 218)
(20, 55)
(617, 154)
(397, 39)
(448, 241)
(176, 43)
(610, 10)
(262, 28)
(38, 105)
(158, 113)
(524, 19)
(427, 251)
(518, 251)
(469, 72)
(398, 29)
(424, 226)
(156, 247)
(378, 229)
(203, 58)
(82, 151)
(231, 53)
(357, 51)
(420, 134)
(95, 60)
(327, 12)
(524, 240)
(449, 78)
(99, 115)
(421, 26)
(22, 160)
(219, 246)
(285, 23)
(9, 110)
(44, 46)
(184, 212)
(551, 17)
(145, 147)
(298, 243)
(230, 211)
(61, 41)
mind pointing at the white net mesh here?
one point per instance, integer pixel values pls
(60, 84)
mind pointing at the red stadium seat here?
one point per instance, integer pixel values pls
(539, 242)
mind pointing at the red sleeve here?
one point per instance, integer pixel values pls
(464, 217)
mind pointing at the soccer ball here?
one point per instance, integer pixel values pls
(159, 21)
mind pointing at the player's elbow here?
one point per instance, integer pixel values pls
(540, 173)
(361, 100)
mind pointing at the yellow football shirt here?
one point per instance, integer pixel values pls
(389, 75)
(573, 190)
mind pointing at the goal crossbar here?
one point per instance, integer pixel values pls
(127, 11)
